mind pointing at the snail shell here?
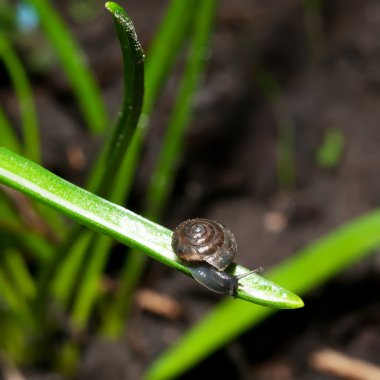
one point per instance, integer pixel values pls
(205, 240)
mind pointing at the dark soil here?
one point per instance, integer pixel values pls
(327, 67)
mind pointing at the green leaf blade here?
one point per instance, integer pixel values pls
(259, 290)
(97, 213)
(133, 61)
(31, 145)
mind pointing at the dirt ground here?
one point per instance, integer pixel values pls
(327, 68)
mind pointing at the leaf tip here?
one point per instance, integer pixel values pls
(297, 302)
(111, 6)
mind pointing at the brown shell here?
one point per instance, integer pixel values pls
(204, 240)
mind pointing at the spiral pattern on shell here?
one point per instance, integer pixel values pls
(204, 240)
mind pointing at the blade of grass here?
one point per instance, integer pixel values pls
(162, 179)
(171, 34)
(13, 337)
(133, 63)
(163, 175)
(10, 295)
(19, 273)
(65, 279)
(330, 152)
(31, 142)
(162, 55)
(15, 234)
(85, 88)
(102, 181)
(286, 168)
(307, 269)
(161, 58)
(8, 136)
(121, 224)
(31, 146)
(163, 52)
(96, 251)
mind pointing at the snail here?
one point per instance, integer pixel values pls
(210, 247)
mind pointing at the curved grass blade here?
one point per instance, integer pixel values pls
(66, 268)
(306, 270)
(31, 146)
(116, 222)
(85, 88)
(162, 179)
(161, 58)
(167, 43)
(133, 63)
(105, 180)
(165, 48)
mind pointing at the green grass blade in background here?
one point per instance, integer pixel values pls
(11, 296)
(163, 52)
(162, 179)
(13, 337)
(286, 167)
(27, 241)
(14, 233)
(85, 88)
(161, 183)
(121, 224)
(306, 270)
(31, 146)
(8, 136)
(330, 152)
(62, 285)
(97, 253)
(19, 273)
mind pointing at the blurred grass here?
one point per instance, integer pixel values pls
(15, 69)
(330, 152)
(9, 138)
(286, 162)
(74, 64)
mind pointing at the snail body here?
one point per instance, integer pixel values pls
(218, 281)
(209, 247)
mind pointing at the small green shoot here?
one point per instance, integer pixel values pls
(330, 152)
